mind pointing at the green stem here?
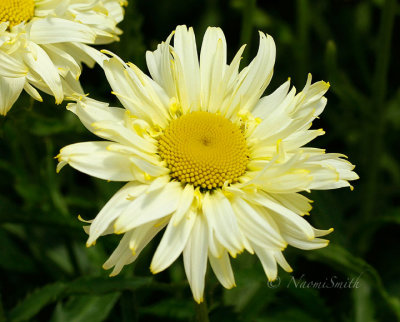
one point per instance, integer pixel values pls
(247, 27)
(202, 312)
(128, 307)
(375, 132)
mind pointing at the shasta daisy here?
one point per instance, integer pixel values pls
(207, 160)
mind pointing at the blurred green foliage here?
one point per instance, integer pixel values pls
(47, 274)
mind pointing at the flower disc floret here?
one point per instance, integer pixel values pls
(16, 11)
(204, 149)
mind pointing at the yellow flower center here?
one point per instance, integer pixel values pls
(204, 149)
(16, 11)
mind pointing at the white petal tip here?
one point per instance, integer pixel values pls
(200, 300)
(90, 244)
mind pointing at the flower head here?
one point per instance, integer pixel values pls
(206, 158)
(44, 42)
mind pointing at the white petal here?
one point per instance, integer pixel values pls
(268, 262)
(212, 68)
(11, 67)
(159, 64)
(294, 201)
(268, 103)
(113, 209)
(280, 259)
(83, 53)
(185, 48)
(143, 234)
(149, 168)
(10, 89)
(307, 244)
(32, 92)
(53, 30)
(195, 258)
(256, 226)
(254, 79)
(222, 221)
(150, 206)
(108, 123)
(39, 62)
(172, 243)
(184, 204)
(90, 111)
(137, 92)
(285, 214)
(223, 269)
(94, 159)
(62, 60)
(121, 256)
(131, 246)
(71, 86)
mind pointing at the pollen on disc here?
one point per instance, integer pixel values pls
(16, 11)
(204, 149)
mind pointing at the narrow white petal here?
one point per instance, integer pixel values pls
(251, 82)
(137, 92)
(222, 221)
(150, 206)
(121, 256)
(143, 234)
(285, 214)
(132, 245)
(159, 64)
(185, 48)
(94, 159)
(195, 258)
(296, 202)
(113, 209)
(71, 86)
(212, 68)
(39, 62)
(270, 102)
(172, 243)
(10, 89)
(62, 60)
(322, 232)
(223, 269)
(184, 204)
(108, 123)
(32, 92)
(11, 67)
(256, 226)
(53, 30)
(307, 244)
(268, 262)
(280, 259)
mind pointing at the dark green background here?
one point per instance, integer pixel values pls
(47, 273)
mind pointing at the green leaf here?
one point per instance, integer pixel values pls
(102, 285)
(93, 308)
(340, 258)
(12, 258)
(88, 285)
(36, 301)
(181, 309)
(363, 304)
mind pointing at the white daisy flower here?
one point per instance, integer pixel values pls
(44, 42)
(206, 158)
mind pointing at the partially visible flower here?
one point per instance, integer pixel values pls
(44, 42)
(206, 158)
